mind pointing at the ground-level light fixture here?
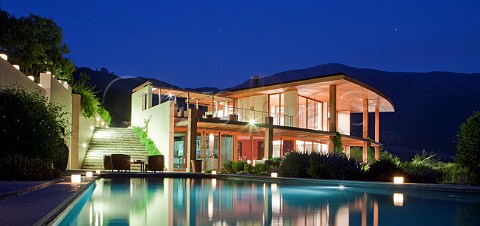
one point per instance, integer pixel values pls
(398, 180)
(89, 174)
(84, 145)
(40, 85)
(3, 56)
(214, 172)
(97, 118)
(16, 66)
(97, 171)
(48, 72)
(92, 128)
(103, 123)
(76, 178)
(31, 77)
(274, 174)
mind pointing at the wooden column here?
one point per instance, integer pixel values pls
(333, 115)
(347, 151)
(365, 130)
(268, 149)
(251, 148)
(191, 137)
(377, 129)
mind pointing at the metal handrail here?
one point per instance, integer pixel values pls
(247, 115)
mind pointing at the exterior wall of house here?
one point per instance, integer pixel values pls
(82, 133)
(160, 121)
(10, 76)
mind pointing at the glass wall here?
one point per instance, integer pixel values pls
(310, 113)
(277, 108)
(179, 151)
(227, 148)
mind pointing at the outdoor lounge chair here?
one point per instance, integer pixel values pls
(156, 163)
(107, 162)
(120, 162)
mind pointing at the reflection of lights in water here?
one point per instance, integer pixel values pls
(214, 184)
(91, 213)
(274, 187)
(398, 199)
(210, 206)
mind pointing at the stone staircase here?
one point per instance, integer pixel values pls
(107, 141)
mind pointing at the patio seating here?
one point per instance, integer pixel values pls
(121, 162)
(155, 163)
(107, 162)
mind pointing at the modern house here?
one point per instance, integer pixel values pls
(258, 122)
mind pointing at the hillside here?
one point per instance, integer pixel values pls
(429, 107)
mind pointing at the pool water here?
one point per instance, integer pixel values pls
(184, 201)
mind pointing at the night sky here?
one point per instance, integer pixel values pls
(223, 43)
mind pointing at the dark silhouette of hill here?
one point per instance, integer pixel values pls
(429, 107)
(115, 91)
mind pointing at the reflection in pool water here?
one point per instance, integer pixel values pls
(169, 201)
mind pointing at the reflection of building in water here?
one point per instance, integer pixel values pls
(205, 202)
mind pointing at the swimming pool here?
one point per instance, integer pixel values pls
(187, 201)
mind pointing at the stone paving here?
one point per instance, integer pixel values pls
(38, 205)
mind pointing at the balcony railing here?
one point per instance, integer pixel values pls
(248, 115)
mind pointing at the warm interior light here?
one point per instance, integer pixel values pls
(16, 66)
(97, 171)
(214, 172)
(252, 122)
(274, 174)
(76, 178)
(89, 174)
(31, 77)
(4, 56)
(170, 95)
(398, 180)
(48, 72)
(398, 199)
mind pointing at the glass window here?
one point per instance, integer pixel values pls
(302, 112)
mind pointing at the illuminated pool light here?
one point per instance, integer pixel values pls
(341, 187)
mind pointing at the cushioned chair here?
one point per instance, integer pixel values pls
(107, 162)
(155, 163)
(120, 162)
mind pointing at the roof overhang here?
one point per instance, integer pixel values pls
(350, 92)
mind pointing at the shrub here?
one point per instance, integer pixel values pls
(30, 126)
(383, 170)
(452, 173)
(260, 169)
(295, 165)
(146, 141)
(227, 167)
(468, 147)
(89, 101)
(104, 115)
(247, 168)
(420, 173)
(333, 166)
(238, 166)
(18, 167)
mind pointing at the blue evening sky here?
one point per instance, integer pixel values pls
(223, 43)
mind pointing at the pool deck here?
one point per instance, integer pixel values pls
(39, 202)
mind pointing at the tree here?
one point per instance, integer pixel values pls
(35, 43)
(468, 147)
